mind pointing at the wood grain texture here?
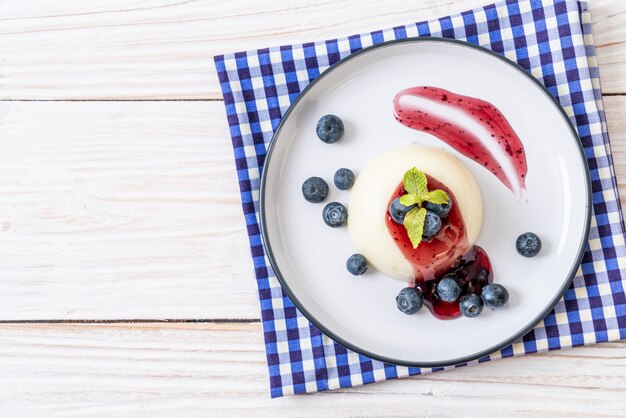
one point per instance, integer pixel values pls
(123, 210)
(219, 370)
(615, 110)
(162, 49)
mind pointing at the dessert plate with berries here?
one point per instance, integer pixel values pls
(425, 202)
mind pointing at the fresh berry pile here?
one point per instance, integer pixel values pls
(464, 290)
(467, 288)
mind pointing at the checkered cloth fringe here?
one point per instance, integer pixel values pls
(552, 40)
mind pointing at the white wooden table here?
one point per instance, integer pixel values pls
(126, 286)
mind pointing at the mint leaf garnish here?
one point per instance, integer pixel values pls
(411, 199)
(437, 197)
(416, 185)
(415, 182)
(414, 224)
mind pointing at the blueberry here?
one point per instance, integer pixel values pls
(448, 289)
(495, 295)
(441, 210)
(329, 129)
(314, 189)
(528, 244)
(398, 211)
(356, 264)
(471, 305)
(344, 179)
(409, 300)
(335, 214)
(432, 224)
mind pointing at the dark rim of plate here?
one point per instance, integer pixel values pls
(506, 342)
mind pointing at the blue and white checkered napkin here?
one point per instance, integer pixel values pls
(550, 39)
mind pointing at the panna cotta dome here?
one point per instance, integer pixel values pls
(374, 186)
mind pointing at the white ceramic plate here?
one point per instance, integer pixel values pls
(309, 257)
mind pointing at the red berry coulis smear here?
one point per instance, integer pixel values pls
(497, 133)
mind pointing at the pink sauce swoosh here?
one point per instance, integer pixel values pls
(473, 127)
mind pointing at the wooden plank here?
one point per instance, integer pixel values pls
(118, 210)
(219, 370)
(609, 31)
(162, 50)
(615, 109)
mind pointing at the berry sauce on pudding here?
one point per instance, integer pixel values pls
(368, 207)
(473, 127)
(433, 257)
(447, 254)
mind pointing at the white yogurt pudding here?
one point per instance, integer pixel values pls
(374, 186)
